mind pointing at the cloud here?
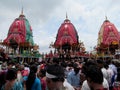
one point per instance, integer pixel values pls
(46, 16)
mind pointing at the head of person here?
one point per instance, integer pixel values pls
(10, 65)
(4, 66)
(11, 74)
(94, 76)
(86, 65)
(42, 73)
(54, 76)
(76, 68)
(100, 63)
(31, 76)
(56, 60)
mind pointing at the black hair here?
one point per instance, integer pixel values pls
(57, 71)
(56, 60)
(11, 74)
(106, 66)
(2, 54)
(43, 72)
(118, 74)
(95, 74)
(2, 78)
(31, 77)
(100, 61)
(86, 65)
(76, 68)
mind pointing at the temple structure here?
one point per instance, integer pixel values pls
(67, 36)
(19, 41)
(67, 43)
(108, 39)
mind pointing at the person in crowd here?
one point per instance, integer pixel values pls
(42, 77)
(114, 68)
(2, 77)
(11, 82)
(3, 72)
(5, 57)
(85, 85)
(74, 76)
(100, 64)
(116, 84)
(4, 67)
(19, 74)
(32, 82)
(68, 85)
(10, 65)
(68, 68)
(55, 77)
(110, 74)
(84, 69)
(83, 74)
(95, 78)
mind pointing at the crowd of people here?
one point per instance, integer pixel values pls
(57, 74)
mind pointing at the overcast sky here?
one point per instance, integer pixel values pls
(46, 16)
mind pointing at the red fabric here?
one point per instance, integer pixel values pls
(43, 84)
(17, 31)
(18, 38)
(109, 33)
(66, 34)
(25, 73)
(66, 39)
(42, 66)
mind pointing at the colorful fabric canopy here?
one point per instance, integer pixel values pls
(67, 34)
(108, 34)
(20, 31)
